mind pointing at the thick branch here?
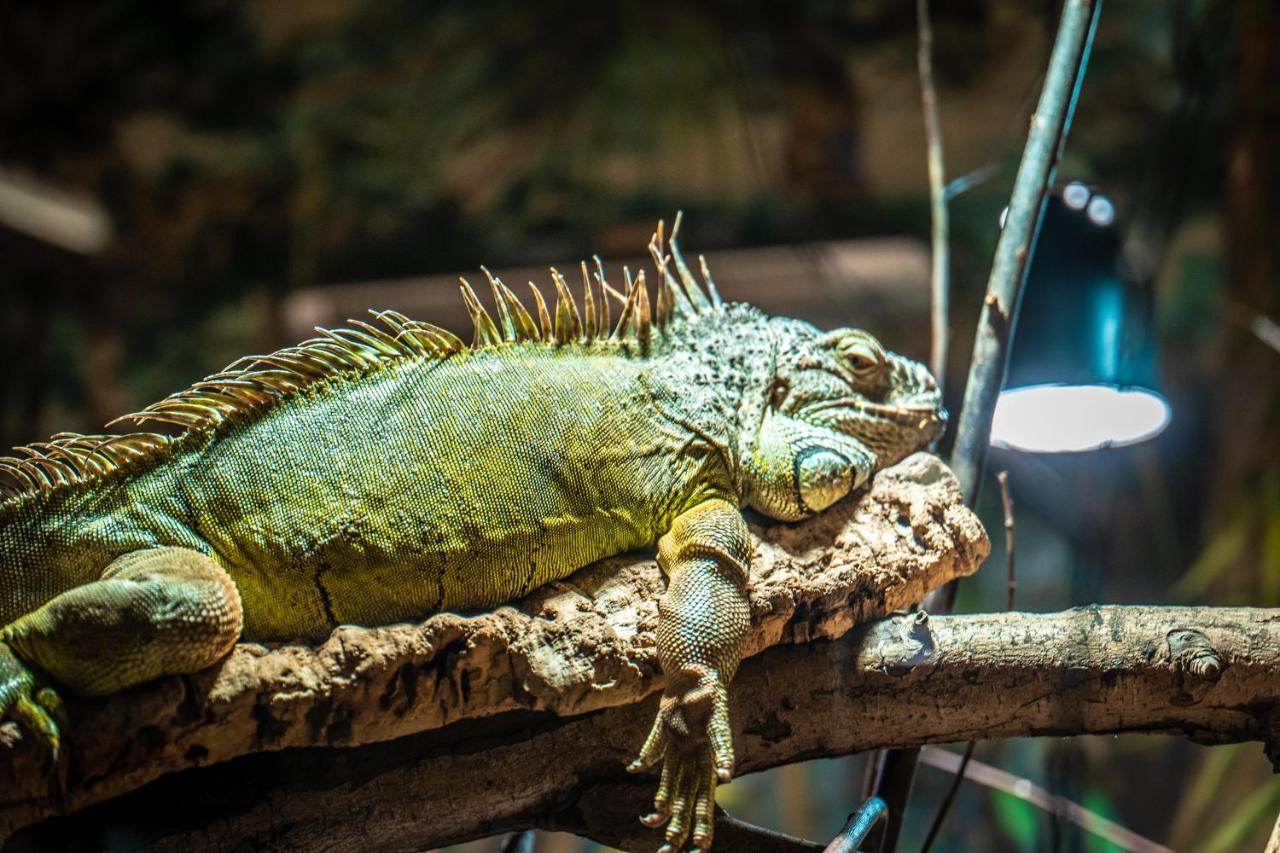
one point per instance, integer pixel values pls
(569, 649)
(1045, 141)
(1212, 675)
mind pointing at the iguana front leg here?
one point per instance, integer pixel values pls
(702, 620)
(154, 612)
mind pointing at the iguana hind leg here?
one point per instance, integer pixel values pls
(154, 612)
(702, 621)
(33, 709)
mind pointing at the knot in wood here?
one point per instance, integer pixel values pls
(902, 643)
(1192, 654)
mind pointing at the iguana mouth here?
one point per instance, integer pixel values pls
(910, 415)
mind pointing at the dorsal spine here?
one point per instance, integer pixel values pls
(253, 383)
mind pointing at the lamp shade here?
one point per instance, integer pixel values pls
(1082, 371)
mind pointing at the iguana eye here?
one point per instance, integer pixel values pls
(864, 355)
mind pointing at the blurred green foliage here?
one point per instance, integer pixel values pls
(1019, 820)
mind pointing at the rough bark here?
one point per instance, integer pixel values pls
(1209, 674)
(573, 648)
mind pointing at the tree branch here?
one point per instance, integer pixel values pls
(1027, 791)
(939, 277)
(1212, 675)
(1045, 141)
(895, 772)
(571, 648)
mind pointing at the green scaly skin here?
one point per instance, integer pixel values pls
(367, 484)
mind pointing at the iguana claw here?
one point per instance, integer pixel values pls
(19, 699)
(692, 740)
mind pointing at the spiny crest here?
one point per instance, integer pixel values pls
(679, 295)
(246, 385)
(254, 382)
(69, 457)
(685, 296)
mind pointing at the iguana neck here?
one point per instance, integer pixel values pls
(711, 373)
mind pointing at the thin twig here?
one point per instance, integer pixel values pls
(891, 775)
(1006, 501)
(1266, 330)
(939, 279)
(1260, 325)
(945, 807)
(969, 180)
(51, 214)
(1024, 789)
(735, 834)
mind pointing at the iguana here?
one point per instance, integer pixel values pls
(387, 471)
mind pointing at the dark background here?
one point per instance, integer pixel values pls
(181, 184)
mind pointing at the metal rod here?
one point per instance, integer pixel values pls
(858, 826)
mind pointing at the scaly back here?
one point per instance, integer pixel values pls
(252, 386)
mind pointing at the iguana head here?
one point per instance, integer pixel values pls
(840, 407)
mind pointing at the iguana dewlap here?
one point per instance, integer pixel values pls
(385, 472)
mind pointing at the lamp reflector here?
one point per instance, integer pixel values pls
(1056, 418)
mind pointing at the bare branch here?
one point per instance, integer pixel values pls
(1044, 146)
(901, 681)
(1006, 503)
(1045, 141)
(940, 277)
(1025, 789)
(571, 648)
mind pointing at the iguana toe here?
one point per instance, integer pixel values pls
(704, 808)
(33, 709)
(692, 740)
(692, 800)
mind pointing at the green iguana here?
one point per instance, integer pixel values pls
(387, 471)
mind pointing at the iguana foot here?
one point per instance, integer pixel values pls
(20, 700)
(692, 739)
